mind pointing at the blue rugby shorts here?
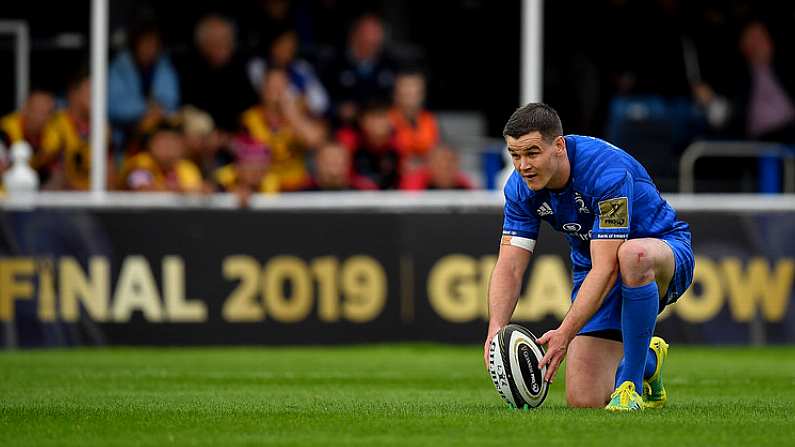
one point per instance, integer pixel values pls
(608, 317)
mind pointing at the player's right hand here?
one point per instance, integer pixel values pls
(557, 342)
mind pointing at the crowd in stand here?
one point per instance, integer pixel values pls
(261, 105)
(217, 119)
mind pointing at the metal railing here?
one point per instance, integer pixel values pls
(377, 201)
(734, 149)
(19, 29)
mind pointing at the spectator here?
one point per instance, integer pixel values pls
(303, 80)
(64, 158)
(280, 123)
(29, 122)
(416, 130)
(365, 72)
(142, 83)
(249, 174)
(213, 78)
(205, 146)
(442, 172)
(375, 155)
(162, 166)
(764, 107)
(334, 171)
(258, 20)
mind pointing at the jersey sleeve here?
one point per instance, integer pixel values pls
(614, 210)
(520, 225)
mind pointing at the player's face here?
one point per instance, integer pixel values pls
(535, 159)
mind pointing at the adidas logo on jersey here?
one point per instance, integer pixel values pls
(544, 210)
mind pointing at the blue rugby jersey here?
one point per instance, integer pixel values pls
(609, 195)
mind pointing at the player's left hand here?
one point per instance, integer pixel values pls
(557, 342)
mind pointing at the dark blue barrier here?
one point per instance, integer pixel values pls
(184, 277)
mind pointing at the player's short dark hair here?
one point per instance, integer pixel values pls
(534, 117)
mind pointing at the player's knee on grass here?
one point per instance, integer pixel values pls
(635, 264)
(585, 399)
(590, 389)
(591, 370)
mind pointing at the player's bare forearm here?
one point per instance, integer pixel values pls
(503, 295)
(505, 284)
(597, 283)
(506, 281)
(594, 289)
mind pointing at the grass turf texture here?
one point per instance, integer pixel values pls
(370, 395)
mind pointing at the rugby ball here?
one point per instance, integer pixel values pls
(514, 356)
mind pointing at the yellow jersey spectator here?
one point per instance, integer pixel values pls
(280, 123)
(64, 158)
(28, 123)
(249, 174)
(162, 166)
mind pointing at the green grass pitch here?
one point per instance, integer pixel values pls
(370, 396)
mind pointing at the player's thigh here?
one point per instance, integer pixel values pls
(591, 364)
(657, 256)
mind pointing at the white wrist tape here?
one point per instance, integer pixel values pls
(521, 242)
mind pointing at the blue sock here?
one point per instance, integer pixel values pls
(619, 373)
(639, 308)
(648, 370)
(651, 364)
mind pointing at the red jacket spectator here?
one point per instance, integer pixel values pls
(442, 172)
(375, 155)
(416, 130)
